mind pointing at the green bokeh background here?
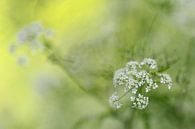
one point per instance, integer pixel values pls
(98, 36)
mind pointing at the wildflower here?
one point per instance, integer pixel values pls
(30, 35)
(166, 79)
(133, 65)
(151, 63)
(140, 102)
(120, 78)
(114, 101)
(33, 36)
(137, 79)
(29, 32)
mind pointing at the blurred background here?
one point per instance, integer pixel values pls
(69, 87)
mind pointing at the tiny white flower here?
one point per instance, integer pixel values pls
(135, 76)
(132, 98)
(134, 90)
(141, 102)
(149, 62)
(114, 101)
(33, 36)
(166, 79)
(120, 78)
(132, 65)
(30, 36)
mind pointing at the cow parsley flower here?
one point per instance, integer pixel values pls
(166, 79)
(30, 32)
(151, 63)
(34, 37)
(114, 101)
(138, 79)
(139, 101)
(120, 78)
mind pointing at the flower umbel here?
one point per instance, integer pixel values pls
(34, 37)
(138, 79)
(139, 101)
(114, 101)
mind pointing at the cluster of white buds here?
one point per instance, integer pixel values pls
(137, 79)
(166, 79)
(114, 101)
(31, 36)
(139, 101)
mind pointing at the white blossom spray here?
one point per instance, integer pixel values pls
(137, 79)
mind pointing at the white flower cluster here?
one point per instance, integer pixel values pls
(136, 79)
(114, 101)
(166, 79)
(31, 36)
(139, 102)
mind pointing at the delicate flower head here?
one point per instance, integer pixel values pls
(166, 79)
(138, 79)
(132, 65)
(33, 36)
(151, 63)
(140, 101)
(120, 78)
(30, 33)
(114, 101)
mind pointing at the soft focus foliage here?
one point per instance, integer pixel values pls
(58, 59)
